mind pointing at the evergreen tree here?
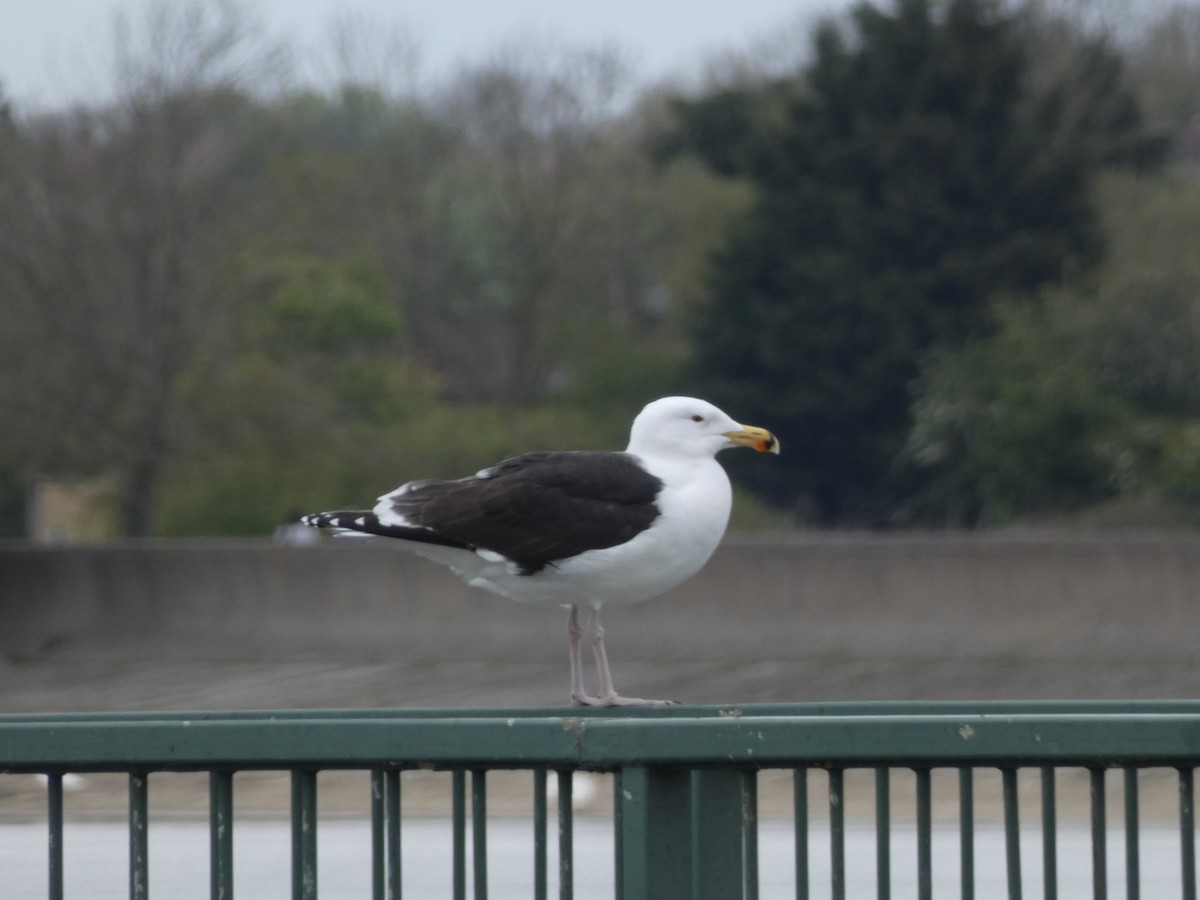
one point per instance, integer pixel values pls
(903, 182)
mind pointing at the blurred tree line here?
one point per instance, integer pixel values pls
(949, 258)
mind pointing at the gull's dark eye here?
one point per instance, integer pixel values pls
(697, 418)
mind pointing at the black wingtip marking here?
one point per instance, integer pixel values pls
(341, 519)
(367, 522)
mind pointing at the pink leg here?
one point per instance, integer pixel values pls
(579, 696)
(608, 695)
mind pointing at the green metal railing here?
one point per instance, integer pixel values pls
(685, 813)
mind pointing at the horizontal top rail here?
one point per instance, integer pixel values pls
(913, 734)
(836, 708)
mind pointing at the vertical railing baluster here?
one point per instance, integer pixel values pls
(1187, 831)
(220, 825)
(1132, 836)
(378, 839)
(1099, 835)
(540, 843)
(618, 835)
(458, 825)
(1049, 835)
(1012, 831)
(304, 834)
(837, 833)
(139, 860)
(720, 833)
(750, 834)
(966, 830)
(660, 829)
(566, 836)
(883, 833)
(924, 835)
(479, 832)
(391, 783)
(54, 826)
(800, 827)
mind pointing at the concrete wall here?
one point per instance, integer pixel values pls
(892, 596)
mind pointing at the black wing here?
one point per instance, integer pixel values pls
(537, 508)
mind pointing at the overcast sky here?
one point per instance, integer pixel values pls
(55, 51)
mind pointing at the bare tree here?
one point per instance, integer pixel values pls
(1091, 45)
(1165, 66)
(364, 53)
(115, 248)
(177, 47)
(492, 210)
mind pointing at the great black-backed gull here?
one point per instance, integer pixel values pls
(578, 528)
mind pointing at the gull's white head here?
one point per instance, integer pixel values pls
(688, 427)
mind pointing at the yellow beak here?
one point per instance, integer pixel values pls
(757, 438)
